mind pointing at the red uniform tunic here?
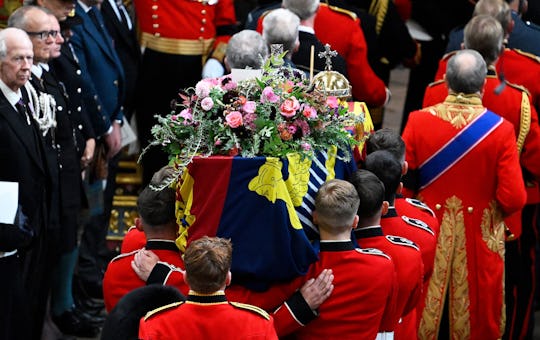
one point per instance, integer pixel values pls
(473, 195)
(133, 240)
(342, 31)
(120, 279)
(207, 317)
(364, 294)
(512, 103)
(409, 270)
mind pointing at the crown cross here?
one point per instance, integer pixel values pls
(276, 49)
(328, 54)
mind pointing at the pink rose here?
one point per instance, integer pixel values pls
(332, 102)
(289, 107)
(228, 84)
(234, 119)
(306, 146)
(268, 95)
(207, 104)
(249, 106)
(186, 114)
(202, 89)
(309, 112)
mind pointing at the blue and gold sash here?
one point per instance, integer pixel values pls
(458, 147)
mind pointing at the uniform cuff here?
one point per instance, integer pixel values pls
(158, 274)
(300, 309)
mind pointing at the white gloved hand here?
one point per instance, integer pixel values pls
(212, 69)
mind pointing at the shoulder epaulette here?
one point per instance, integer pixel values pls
(528, 55)
(518, 87)
(161, 309)
(524, 121)
(118, 257)
(435, 83)
(372, 251)
(402, 241)
(251, 308)
(341, 10)
(419, 204)
(378, 9)
(448, 55)
(418, 224)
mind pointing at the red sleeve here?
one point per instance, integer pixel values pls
(510, 192)
(530, 154)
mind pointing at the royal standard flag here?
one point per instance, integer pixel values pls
(263, 204)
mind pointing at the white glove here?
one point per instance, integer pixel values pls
(212, 69)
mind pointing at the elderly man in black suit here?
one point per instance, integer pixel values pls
(23, 162)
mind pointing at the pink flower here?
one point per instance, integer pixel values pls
(268, 95)
(292, 129)
(249, 106)
(332, 102)
(306, 146)
(228, 84)
(249, 119)
(186, 114)
(174, 117)
(289, 107)
(207, 104)
(202, 89)
(217, 142)
(234, 119)
(309, 112)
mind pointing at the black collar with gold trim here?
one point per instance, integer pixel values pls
(391, 213)
(218, 297)
(337, 246)
(161, 245)
(368, 232)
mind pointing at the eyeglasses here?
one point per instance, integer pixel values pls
(44, 34)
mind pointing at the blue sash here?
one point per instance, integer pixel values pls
(458, 147)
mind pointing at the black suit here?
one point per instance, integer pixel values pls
(67, 70)
(127, 47)
(21, 156)
(301, 58)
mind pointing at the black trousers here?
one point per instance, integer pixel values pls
(162, 76)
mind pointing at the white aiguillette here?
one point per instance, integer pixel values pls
(9, 200)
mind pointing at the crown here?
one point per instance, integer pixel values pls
(329, 82)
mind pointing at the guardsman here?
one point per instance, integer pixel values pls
(157, 220)
(178, 37)
(206, 314)
(404, 253)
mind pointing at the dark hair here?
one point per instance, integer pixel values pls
(157, 207)
(389, 140)
(387, 168)
(371, 192)
(207, 261)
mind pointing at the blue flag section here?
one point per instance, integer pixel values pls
(263, 205)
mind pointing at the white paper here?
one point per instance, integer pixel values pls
(241, 74)
(128, 135)
(417, 32)
(9, 200)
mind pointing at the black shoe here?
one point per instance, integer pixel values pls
(69, 323)
(86, 317)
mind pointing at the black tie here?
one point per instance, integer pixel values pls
(21, 108)
(123, 15)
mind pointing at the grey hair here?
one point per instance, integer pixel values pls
(246, 48)
(3, 45)
(18, 18)
(466, 72)
(303, 8)
(484, 34)
(498, 9)
(280, 26)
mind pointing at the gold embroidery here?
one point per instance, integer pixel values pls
(493, 227)
(298, 181)
(458, 109)
(436, 291)
(525, 121)
(184, 201)
(460, 324)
